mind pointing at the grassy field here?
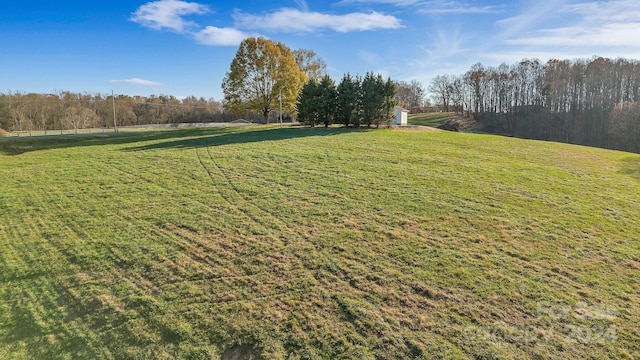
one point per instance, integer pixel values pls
(430, 119)
(317, 243)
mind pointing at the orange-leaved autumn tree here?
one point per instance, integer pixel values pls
(261, 71)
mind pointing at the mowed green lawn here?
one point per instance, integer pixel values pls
(317, 243)
(430, 119)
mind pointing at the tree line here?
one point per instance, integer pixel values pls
(592, 102)
(354, 102)
(68, 111)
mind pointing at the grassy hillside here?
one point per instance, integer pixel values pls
(317, 243)
(432, 119)
(435, 119)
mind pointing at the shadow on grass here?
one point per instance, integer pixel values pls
(181, 138)
(21, 145)
(631, 167)
(242, 137)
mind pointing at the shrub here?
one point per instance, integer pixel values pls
(3, 133)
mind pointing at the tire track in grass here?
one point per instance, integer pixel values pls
(343, 279)
(280, 233)
(212, 295)
(295, 237)
(141, 176)
(235, 198)
(193, 244)
(286, 236)
(216, 185)
(186, 243)
(294, 243)
(301, 237)
(331, 191)
(197, 251)
(258, 288)
(211, 180)
(225, 254)
(198, 240)
(212, 252)
(280, 288)
(274, 175)
(292, 240)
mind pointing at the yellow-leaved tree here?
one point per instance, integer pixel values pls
(260, 73)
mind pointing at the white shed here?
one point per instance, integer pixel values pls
(400, 116)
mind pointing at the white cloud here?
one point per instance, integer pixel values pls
(302, 4)
(389, 2)
(433, 7)
(623, 34)
(214, 36)
(168, 14)
(613, 10)
(136, 81)
(293, 20)
(447, 44)
(369, 57)
(592, 24)
(528, 18)
(461, 10)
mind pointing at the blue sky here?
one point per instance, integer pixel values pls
(185, 48)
